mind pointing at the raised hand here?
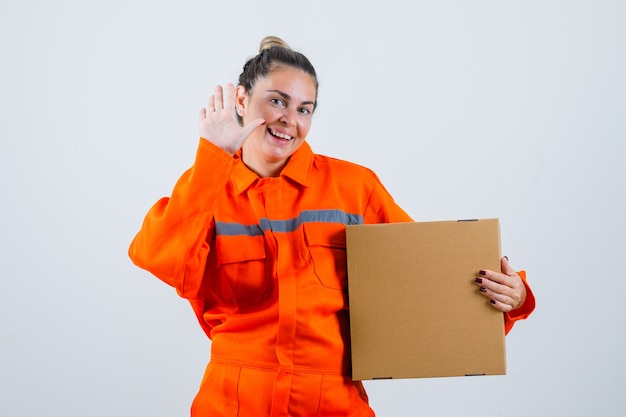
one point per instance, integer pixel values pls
(218, 122)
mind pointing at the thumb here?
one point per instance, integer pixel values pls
(506, 267)
(250, 127)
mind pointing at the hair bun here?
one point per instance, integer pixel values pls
(270, 41)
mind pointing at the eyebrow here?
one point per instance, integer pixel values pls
(288, 97)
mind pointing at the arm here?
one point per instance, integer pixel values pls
(172, 242)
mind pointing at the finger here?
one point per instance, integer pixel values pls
(202, 114)
(251, 126)
(488, 275)
(506, 267)
(496, 300)
(229, 96)
(492, 284)
(497, 292)
(508, 277)
(211, 105)
(218, 100)
(498, 305)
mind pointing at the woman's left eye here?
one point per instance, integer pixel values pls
(304, 110)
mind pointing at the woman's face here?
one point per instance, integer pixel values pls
(285, 99)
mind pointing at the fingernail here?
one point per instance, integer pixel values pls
(479, 280)
(483, 290)
(492, 301)
(506, 257)
(481, 272)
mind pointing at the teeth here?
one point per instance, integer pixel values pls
(280, 135)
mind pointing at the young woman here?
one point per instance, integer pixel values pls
(253, 236)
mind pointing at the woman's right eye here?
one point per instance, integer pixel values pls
(278, 101)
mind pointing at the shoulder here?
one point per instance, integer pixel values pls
(342, 167)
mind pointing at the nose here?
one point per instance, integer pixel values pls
(289, 117)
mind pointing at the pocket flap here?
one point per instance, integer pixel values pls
(239, 248)
(332, 235)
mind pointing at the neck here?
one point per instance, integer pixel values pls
(263, 169)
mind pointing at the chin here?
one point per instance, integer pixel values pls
(282, 151)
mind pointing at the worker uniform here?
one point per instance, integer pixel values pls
(263, 263)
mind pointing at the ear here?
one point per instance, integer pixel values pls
(241, 100)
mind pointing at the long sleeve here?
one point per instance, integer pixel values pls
(172, 243)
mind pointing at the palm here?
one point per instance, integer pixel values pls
(219, 125)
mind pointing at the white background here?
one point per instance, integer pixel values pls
(508, 109)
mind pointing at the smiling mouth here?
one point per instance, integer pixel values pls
(279, 135)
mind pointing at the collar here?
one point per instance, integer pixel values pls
(298, 169)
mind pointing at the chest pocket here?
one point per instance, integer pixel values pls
(243, 278)
(326, 243)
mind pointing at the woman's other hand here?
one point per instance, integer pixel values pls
(505, 289)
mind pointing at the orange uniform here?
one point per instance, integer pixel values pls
(263, 263)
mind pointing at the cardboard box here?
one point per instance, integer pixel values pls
(415, 310)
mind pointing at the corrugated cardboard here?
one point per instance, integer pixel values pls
(415, 310)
